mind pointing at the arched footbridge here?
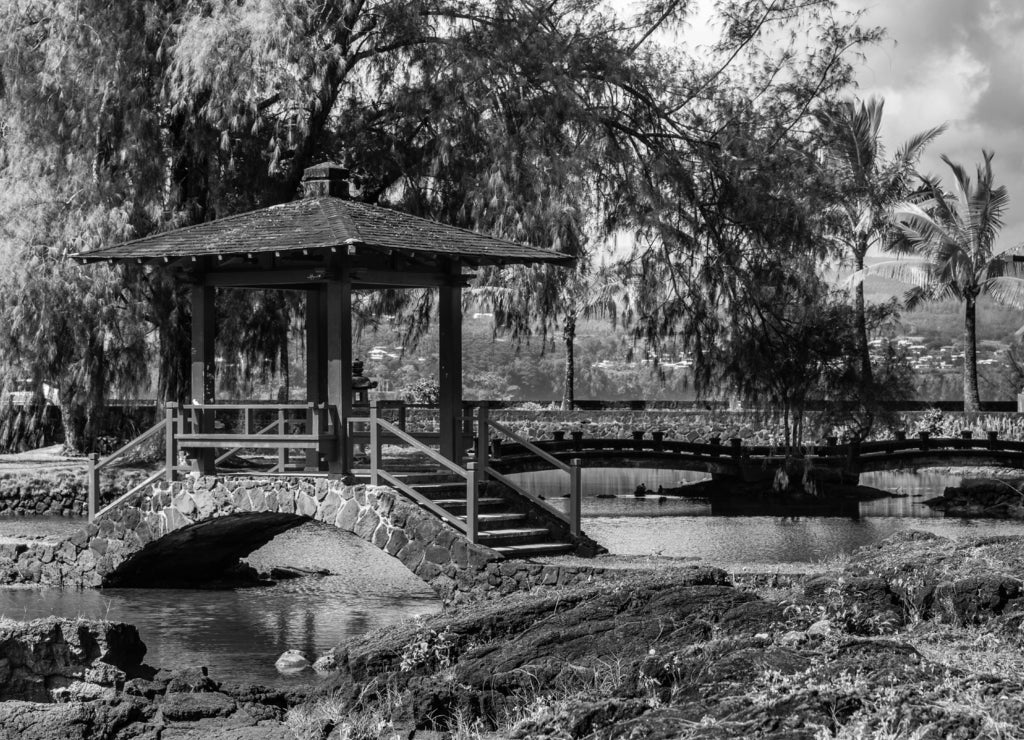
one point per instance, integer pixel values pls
(735, 459)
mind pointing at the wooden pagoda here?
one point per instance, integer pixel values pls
(326, 245)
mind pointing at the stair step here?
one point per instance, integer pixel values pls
(452, 503)
(433, 489)
(513, 536)
(429, 477)
(498, 517)
(535, 549)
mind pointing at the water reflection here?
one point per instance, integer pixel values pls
(239, 634)
(755, 530)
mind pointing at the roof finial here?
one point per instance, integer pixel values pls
(325, 179)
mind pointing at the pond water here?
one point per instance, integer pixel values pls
(239, 634)
(699, 528)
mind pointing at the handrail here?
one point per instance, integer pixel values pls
(529, 446)
(484, 424)
(151, 432)
(124, 497)
(471, 525)
(422, 500)
(431, 453)
(96, 465)
(505, 480)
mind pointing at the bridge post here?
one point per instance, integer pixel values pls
(638, 440)
(901, 435)
(170, 442)
(483, 441)
(575, 497)
(923, 436)
(577, 438)
(965, 435)
(94, 485)
(374, 444)
(659, 439)
(472, 503)
(993, 438)
(558, 435)
(715, 443)
(736, 444)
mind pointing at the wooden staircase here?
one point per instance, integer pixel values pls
(506, 522)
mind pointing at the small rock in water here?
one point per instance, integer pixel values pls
(291, 661)
(326, 664)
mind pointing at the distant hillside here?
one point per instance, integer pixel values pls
(943, 322)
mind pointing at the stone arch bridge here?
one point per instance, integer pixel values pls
(182, 531)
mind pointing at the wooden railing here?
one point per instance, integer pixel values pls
(182, 428)
(484, 470)
(96, 465)
(379, 429)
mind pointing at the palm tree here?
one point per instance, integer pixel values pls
(870, 186)
(954, 232)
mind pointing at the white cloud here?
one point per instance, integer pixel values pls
(959, 62)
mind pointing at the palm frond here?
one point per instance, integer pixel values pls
(916, 273)
(912, 148)
(1009, 291)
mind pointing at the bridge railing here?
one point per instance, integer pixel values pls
(98, 464)
(233, 427)
(485, 426)
(379, 429)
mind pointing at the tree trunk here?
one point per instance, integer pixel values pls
(972, 402)
(72, 417)
(96, 397)
(569, 337)
(866, 377)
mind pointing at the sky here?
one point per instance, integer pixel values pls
(959, 62)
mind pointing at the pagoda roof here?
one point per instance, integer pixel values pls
(324, 223)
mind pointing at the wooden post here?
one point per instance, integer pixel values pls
(203, 367)
(449, 316)
(375, 444)
(282, 452)
(339, 368)
(94, 485)
(472, 504)
(403, 413)
(171, 442)
(316, 360)
(483, 441)
(575, 497)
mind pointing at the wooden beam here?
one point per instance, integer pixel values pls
(316, 357)
(203, 364)
(362, 278)
(266, 278)
(449, 317)
(338, 328)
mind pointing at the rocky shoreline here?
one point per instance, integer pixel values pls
(919, 636)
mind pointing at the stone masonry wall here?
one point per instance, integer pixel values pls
(61, 493)
(437, 553)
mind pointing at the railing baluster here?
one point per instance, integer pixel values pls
(94, 485)
(575, 497)
(375, 444)
(472, 504)
(170, 441)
